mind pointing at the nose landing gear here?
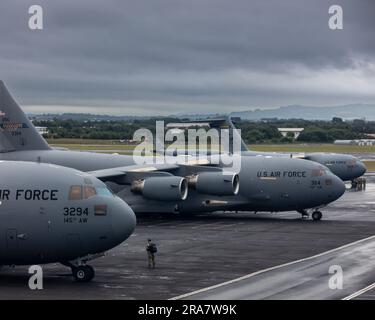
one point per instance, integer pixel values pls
(84, 273)
(317, 215)
(80, 270)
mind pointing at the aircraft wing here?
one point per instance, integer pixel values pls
(122, 171)
(137, 171)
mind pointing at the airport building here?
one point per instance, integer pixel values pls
(356, 142)
(42, 130)
(295, 131)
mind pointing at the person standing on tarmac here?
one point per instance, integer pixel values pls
(151, 250)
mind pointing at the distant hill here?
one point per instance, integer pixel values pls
(196, 116)
(348, 112)
(81, 117)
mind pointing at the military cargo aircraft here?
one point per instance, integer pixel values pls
(181, 188)
(52, 214)
(345, 166)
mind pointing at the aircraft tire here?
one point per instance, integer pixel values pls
(83, 273)
(316, 215)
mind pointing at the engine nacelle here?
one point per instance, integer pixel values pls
(215, 183)
(162, 188)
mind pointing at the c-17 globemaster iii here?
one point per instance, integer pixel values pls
(54, 214)
(262, 183)
(345, 166)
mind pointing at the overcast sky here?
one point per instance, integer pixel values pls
(174, 56)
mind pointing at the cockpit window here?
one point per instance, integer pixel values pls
(318, 172)
(75, 193)
(104, 191)
(86, 192)
(89, 192)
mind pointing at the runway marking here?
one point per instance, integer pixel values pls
(360, 292)
(271, 269)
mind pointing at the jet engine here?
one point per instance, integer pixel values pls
(215, 183)
(171, 188)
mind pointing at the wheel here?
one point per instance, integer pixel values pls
(83, 273)
(316, 215)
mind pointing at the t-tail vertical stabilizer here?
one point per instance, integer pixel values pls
(16, 130)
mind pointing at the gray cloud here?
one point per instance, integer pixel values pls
(166, 56)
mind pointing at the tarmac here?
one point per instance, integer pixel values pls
(208, 250)
(307, 279)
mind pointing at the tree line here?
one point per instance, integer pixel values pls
(252, 132)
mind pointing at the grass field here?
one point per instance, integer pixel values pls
(370, 165)
(83, 141)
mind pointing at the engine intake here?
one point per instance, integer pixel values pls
(161, 188)
(215, 183)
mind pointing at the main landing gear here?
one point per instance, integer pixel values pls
(316, 215)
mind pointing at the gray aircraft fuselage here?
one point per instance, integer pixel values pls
(271, 185)
(345, 166)
(266, 183)
(41, 223)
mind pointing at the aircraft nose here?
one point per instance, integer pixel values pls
(361, 168)
(338, 187)
(123, 220)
